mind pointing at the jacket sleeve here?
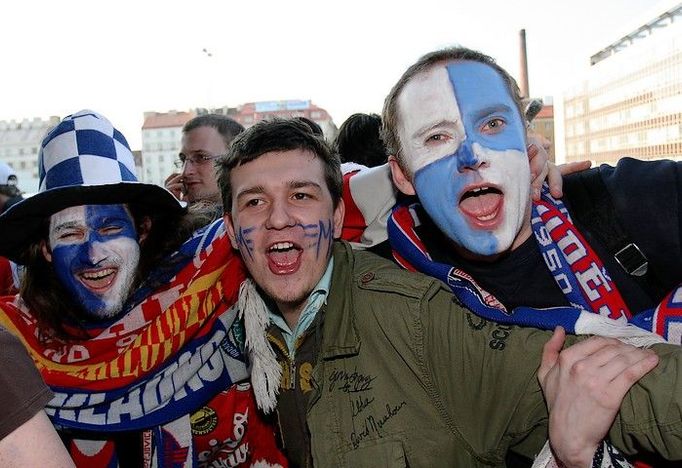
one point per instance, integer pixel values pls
(650, 418)
(369, 196)
(486, 376)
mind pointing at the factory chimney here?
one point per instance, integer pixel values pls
(523, 69)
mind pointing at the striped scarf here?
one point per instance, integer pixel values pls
(596, 306)
(152, 368)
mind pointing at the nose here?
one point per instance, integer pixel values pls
(467, 159)
(96, 253)
(279, 216)
(187, 167)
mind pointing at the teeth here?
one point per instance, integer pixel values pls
(281, 246)
(99, 275)
(486, 217)
(478, 190)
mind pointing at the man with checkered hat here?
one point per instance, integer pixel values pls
(128, 312)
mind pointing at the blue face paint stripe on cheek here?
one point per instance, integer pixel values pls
(245, 241)
(326, 232)
(310, 230)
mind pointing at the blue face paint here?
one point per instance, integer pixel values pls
(490, 154)
(244, 239)
(325, 232)
(441, 205)
(95, 253)
(483, 96)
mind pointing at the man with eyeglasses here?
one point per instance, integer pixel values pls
(204, 139)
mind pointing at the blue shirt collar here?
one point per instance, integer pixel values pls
(317, 298)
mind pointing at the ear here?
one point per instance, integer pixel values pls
(227, 219)
(144, 229)
(400, 179)
(46, 251)
(339, 213)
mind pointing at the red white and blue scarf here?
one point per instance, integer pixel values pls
(596, 304)
(172, 356)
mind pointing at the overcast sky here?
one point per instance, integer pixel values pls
(122, 58)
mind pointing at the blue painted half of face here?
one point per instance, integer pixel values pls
(483, 96)
(105, 224)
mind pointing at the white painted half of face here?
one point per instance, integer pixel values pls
(95, 253)
(464, 143)
(428, 113)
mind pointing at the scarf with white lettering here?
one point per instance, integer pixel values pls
(596, 305)
(152, 368)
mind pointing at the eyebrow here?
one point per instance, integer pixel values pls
(112, 219)
(303, 184)
(294, 184)
(491, 110)
(67, 225)
(427, 128)
(251, 191)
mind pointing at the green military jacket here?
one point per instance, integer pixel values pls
(408, 377)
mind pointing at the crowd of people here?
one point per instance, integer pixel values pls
(423, 291)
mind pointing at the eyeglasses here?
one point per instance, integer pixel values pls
(199, 160)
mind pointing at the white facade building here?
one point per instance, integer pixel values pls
(20, 145)
(631, 102)
(161, 135)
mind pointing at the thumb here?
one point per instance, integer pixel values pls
(550, 352)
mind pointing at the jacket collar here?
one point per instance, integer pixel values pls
(340, 335)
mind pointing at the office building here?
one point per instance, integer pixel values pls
(631, 102)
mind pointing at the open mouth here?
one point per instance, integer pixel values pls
(98, 279)
(284, 257)
(482, 204)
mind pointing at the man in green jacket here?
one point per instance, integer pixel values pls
(381, 367)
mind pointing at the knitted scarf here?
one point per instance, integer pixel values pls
(596, 306)
(150, 369)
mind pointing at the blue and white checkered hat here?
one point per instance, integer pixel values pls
(83, 161)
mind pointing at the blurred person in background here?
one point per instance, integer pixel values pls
(9, 196)
(204, 139)
(359, 140)
(9, 191)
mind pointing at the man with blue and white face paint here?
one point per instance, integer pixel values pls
(95, 250)
(453, 125)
